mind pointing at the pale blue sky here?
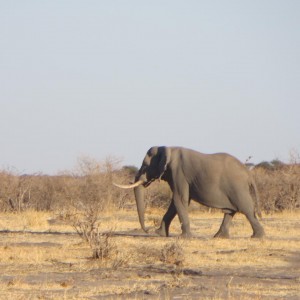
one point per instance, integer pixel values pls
(113, 78)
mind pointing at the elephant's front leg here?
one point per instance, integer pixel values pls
(181, 204)
(163, 230)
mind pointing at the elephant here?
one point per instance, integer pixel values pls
(215, 180)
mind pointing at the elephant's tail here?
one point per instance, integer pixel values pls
(255, 195)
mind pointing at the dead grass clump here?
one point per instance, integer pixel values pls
(172, 253)
(102, 245)
(87, 225)
(104, 248)
(34, 219)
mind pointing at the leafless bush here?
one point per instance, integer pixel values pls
(172, 253)
(43, 194)
(279, 188)
(102, 245)
(15, 191)
(90, 183)
(104, 248)
(87, 225)
(158, 195)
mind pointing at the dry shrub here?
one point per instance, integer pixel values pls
(85, 223)
(14, 191)
(42, 193)
(279, 188)
(104, 248)
(102, 245)
(158, 195)
(88, 227)
(89, 184)
(172, 253)
(89, 192)
(28, 192)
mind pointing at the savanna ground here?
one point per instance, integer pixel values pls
(43, 257)
(76, 236)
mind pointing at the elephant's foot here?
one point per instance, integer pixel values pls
(161, 231)
(222, 235)
(186, 230)
(186, 235)
(258, 234)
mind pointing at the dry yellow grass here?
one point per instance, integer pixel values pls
(41, 257)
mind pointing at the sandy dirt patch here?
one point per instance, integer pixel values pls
(42, 257)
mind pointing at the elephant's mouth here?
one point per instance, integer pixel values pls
(146, 184)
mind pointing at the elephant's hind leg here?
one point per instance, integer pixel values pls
(247, 208)
(258, 230)
(224, 229)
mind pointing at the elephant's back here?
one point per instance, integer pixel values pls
(216, 164)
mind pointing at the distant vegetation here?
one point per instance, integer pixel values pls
(272, 165)
(89, 186)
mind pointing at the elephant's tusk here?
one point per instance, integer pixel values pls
(129, 186)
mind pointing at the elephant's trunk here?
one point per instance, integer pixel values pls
(139, 193)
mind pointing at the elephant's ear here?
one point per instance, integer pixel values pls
(164, 154)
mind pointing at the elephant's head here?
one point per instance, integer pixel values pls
(153, 167)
